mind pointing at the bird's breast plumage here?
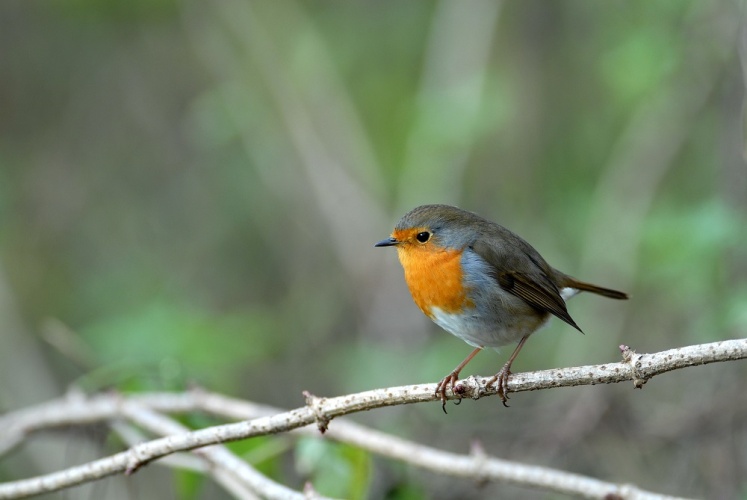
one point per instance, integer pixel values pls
(435, 279)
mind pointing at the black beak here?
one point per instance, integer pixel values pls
(387, 242)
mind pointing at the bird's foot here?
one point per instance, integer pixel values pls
(447, 382)
(500, 380)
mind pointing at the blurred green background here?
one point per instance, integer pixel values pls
(190, 193)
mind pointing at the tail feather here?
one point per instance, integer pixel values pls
(588, 287)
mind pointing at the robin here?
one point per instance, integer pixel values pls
(481, 282)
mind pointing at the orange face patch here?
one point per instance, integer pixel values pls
(434, 275)
(407, 235)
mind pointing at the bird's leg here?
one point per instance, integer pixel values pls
(502, 376)
(450, 379)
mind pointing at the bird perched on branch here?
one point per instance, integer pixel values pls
(481, 282)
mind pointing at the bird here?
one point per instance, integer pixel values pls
(481, 282)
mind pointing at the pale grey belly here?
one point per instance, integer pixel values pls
(493, 332)
(500, 320)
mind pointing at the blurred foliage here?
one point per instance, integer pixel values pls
(180, 343)
(189, 194)
(339, 470)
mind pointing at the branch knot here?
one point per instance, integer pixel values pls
(317, 406)
(633, 359)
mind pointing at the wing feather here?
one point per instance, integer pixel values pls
(521, 271)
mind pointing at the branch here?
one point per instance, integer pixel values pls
(193, 462)
(230, 471)
(234, 474)
(476, 466)
(636, 367)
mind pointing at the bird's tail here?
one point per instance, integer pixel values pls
(588, 287)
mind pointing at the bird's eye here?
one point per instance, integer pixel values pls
(423, 237)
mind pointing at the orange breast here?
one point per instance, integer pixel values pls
(434, 277)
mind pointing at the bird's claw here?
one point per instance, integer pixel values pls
(500, 380)
(448, 381)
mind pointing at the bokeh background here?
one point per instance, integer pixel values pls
(190, 193)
